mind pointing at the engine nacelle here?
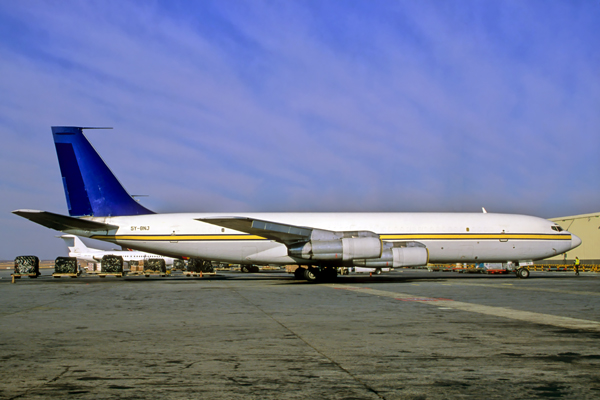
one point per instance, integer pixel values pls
(397, 257)
(410, 256)
(340, 249)
(365, 247)
(317, 250)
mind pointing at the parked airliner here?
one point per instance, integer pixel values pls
(100, 208)
(79, 250)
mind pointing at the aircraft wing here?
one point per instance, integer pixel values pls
(282, 233)
(62, 222)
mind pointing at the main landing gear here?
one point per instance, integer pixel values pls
(316, 273)
(299, 273)
(249, 269)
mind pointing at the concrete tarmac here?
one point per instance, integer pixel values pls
(404, 335)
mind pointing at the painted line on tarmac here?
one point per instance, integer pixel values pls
(527, 316)
(534, 289)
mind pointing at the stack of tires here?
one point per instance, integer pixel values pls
(112, 264)
(65, 265)
(27, 265)
(156, 265)
(198, 265)
(178, 265)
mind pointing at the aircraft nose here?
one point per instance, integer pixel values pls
(575, 241)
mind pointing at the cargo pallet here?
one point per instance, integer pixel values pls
(94, 272)
(200, 274)
(18, 276)
(115, 274)
(59, 275)
(154, 273)
(26, 266)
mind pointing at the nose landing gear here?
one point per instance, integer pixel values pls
(522, 273)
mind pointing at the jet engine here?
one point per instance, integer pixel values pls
(363, 245)
(404, 254)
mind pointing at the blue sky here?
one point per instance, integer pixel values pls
(304, 105)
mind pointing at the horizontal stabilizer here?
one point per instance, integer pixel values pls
(62, 222)
(271, 230)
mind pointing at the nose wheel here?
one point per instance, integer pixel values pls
(522, 273)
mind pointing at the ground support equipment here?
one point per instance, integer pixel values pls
(496, 271)
(467, 270)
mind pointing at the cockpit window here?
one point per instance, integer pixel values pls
(557, 228)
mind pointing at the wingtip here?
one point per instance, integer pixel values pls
(26, 211)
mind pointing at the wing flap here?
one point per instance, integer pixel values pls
(62, 222)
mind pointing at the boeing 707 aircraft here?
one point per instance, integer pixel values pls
(100, 208)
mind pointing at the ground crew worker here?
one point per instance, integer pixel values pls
(576, 266)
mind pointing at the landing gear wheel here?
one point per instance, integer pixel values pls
(311, 274)
(244, 269)
(378, 271)
(299, 273)
(523, 273)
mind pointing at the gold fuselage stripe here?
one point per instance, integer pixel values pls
(409, 236)
(474, 236)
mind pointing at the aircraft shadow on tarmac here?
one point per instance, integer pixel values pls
(352, 279)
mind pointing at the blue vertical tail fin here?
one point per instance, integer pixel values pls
(90, 186)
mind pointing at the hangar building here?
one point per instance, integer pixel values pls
(587, 227)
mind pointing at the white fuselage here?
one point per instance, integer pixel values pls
(449, 237)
